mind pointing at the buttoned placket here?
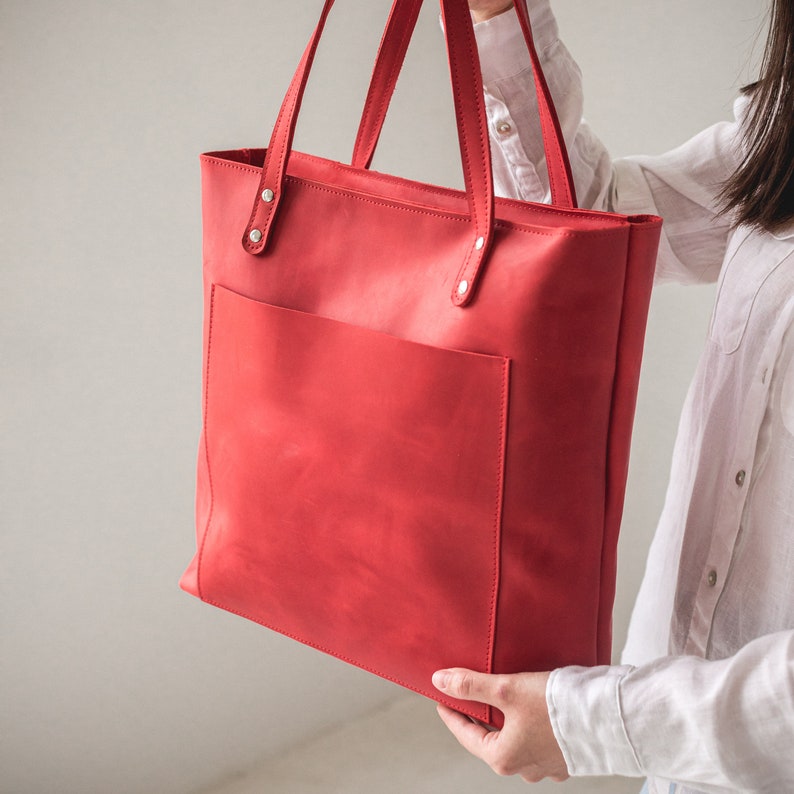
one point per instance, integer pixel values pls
(730, 513)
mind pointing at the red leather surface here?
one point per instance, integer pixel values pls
(361, 428)
(320, 535)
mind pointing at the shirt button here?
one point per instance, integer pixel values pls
(503, 128)
(712, 578)
(740, 475)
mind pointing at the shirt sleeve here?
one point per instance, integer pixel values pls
(720, 726)
(512, 108)
(682, 186)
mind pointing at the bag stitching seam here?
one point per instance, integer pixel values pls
(539, 208)
(206, 445)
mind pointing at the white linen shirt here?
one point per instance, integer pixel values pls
(705, 694)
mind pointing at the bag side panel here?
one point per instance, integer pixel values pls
(643, 245)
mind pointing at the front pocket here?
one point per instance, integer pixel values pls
(356, 487)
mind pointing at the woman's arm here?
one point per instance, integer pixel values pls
(512, 109)
(715, 725)
(681, 186)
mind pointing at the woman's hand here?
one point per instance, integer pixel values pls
(526, 745)
(485, 9)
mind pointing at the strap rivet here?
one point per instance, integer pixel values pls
(268, 195)
(480, 243)
(255, 236)
(463, 287)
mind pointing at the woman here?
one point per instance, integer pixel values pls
(705, 698)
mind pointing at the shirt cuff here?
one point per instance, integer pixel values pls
(585, 712)
(500, 40)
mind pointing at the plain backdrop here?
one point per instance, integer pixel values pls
(111, 678)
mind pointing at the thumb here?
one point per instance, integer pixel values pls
(468, 685)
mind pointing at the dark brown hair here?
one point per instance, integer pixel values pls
(761, 191)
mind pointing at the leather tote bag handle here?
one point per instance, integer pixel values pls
(384, 79)
(472, 135)
(388, 63)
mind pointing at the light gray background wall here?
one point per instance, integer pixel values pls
(111, 679)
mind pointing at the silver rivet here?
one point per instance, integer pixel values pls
(255, 236)
(740, 475)
(268, 195)
(463, 287)
(712, 578)
(480, 243)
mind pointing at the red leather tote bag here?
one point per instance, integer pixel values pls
(417, 401)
